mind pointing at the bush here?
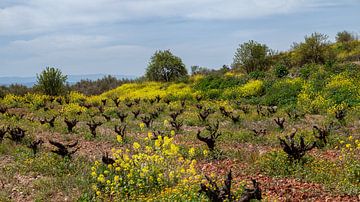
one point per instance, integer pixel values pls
(164, 66)
(218, 82)
(51, 81)
(252, 56)
(283, 92)
(252, 88)
(342, 89)
(281, 71)
(257, 74)
(150, 90)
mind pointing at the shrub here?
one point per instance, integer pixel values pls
(216, 81)
(252, 56)
(342, 89)
(251, 88)
(283, 92)
(281, 71)
(164, 66)
(257, 74)
(51, 81)
(150, 90)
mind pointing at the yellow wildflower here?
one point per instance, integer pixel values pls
(192, 152)
(116, 178)
(119, 138)
(136, 146)
(172, 133)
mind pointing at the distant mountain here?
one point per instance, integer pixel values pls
(30, 81)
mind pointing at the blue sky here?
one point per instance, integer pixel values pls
(119, 36)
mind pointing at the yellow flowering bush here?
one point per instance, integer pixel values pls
(94, 100)
(342, 89)
(72, 110)
(310, 101)
(11, 100)
(142, 171)
(338, 90)
(76, 97)
(150, 90)
(36, 100)
(251, 88)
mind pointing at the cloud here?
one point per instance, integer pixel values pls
(39, 16)
(119, 36)
(49, 43)
(74, 54)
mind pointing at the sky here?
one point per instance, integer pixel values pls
(119, 36)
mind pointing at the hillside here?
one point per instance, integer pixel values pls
(285, 129)
(244, 116)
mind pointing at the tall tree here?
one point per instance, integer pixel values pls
(252, 56)
(164, 66)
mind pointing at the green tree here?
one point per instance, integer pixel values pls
(164, 66)
(51, 81)
(252, 56)
(316, 49)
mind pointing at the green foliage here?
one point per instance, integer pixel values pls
(51, 81)
(283, 92)
(306, 70)
(316, 49)
(252, 56)
(164, 66)
(281, 71)
(215, 81)
(342, 89)
(257, 74)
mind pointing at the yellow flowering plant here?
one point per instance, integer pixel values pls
(252, 88)
(140, 171)
(350, 158)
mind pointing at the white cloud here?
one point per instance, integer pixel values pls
(88, 36)
(49, 43)
(38, 16)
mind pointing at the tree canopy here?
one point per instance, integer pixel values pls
(252, 56)
(164, 66)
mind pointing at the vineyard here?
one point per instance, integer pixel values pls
(247, 139)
